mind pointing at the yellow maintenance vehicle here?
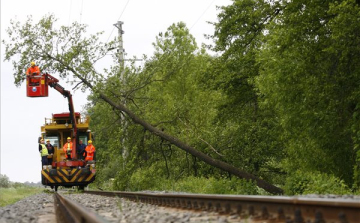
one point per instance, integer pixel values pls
(63, 171)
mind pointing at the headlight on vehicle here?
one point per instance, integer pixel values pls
(49, 167)
(93, 165)
(44, 167)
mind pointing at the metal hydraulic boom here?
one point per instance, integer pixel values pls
(37, 86)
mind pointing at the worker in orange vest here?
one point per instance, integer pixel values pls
(67, 148)
(90, 150)
(33, 70)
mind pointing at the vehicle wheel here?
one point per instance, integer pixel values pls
(81, 188)
(56, 188)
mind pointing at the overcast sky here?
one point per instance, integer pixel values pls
(21, 117)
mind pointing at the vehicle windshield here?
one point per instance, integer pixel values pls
(83, 138)
(53, 141)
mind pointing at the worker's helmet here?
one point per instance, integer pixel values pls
(32, 63)
(48, 140)
(68, 138)
(89, 141)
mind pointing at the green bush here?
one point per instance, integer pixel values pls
(147, 179)
(18, 185)
(4, 181)
(155, 178)
(211, 185)
(314, 183)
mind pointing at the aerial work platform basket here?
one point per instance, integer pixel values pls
(37, 86)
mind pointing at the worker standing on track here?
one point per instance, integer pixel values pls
(90, 151)
(44, 153)
(33, 70)
(67, 148)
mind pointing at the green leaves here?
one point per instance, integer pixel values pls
(168, 92)
(62, 50)
(291, 77)
(314, 183)
(306, 75)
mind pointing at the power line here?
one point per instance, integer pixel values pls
(202, 15)
(207, 8)
(123, 9)
(81, 10)
(70, 12)
(118, 20)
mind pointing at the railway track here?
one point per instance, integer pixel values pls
(107, 206)
(67, 211)
(255, 208)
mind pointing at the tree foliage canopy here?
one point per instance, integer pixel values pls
(64, 50)
(303, 73)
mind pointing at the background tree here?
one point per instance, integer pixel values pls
(4, 181)
(248, 133)
(178, 101)
(309, 74)
(289, 71)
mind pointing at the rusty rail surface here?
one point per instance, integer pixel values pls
(68, 211)
(255, 208)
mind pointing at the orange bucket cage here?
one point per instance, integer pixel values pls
(37, 86)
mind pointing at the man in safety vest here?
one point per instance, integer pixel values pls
(67, 148)
(90, 151)
(33, 70)
(44, 153)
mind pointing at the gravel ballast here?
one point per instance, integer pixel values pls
(39, 208)
(35, 208)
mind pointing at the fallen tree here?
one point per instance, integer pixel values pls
(67, 52)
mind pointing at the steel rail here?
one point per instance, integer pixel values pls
(257, 208)
(68, 211)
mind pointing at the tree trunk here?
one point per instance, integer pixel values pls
(207, 159)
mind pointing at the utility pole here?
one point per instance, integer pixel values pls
(121, 47)
(121, 52)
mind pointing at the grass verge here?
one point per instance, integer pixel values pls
(12, 195)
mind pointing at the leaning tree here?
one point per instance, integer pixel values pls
(69, 52)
